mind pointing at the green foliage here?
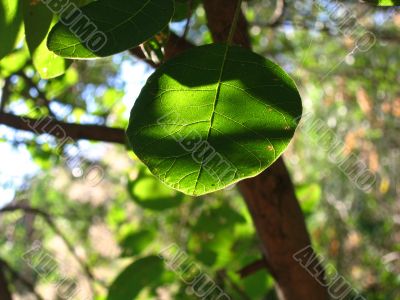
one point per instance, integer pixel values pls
(118, 27)
(352, 230)
(148, 192)
(10, 25)
(384, 2)
(145, 272)
(189, 108)
(136, 242)
(38, 19)
(13, 62)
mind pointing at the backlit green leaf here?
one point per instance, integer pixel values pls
(10, 25)
(150, 193)
(384, 2)
(14, 62)
(37, 20)
(108, 27)
(213, 116)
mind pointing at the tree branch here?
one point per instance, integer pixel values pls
(62, 130)
(253, 268)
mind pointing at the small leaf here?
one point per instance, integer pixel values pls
(213, 116)
(107, 27)
(10, 25)
(150, 193)
(14, 62)
(136, 242)
(145, 272)
(37, 20)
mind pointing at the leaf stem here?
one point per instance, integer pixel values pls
(234, 22)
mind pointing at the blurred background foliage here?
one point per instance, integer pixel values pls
(113, 229)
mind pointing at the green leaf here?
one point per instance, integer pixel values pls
(150, 193)
(134, 243)
(13, 62)
(145, 272)
(10, 25)
(213, 116)
(107, 27)
(37, 19)
(384, 2)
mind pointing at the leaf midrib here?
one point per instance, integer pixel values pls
(217, 93)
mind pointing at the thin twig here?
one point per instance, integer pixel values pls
(44, 101)
(223, 276)
(189, 19)
(55, 228)
(252, 268)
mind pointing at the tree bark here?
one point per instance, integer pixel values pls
(270, 196)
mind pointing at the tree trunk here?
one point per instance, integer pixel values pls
(270, 196)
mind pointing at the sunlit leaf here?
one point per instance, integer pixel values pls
(213, 116)
(10, 24)
(145, 272)
(384, 2)
(108, 27)
(150, 193)
(37, 20)
(14, 62)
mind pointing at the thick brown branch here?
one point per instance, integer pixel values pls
(62, 130)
